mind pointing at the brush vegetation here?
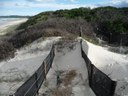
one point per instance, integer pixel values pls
(108, 19)
(108, 22)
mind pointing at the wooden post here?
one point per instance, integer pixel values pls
(81, 44)
(36, 78)
(80, 32)
(54, 50)
(45, 70)
(91, 74)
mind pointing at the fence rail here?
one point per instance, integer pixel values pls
(33, 84)
(99, 82)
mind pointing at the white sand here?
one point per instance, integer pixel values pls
(15, 71)
(10, 23)
(29, 58)
(66, 60)
(113, 64)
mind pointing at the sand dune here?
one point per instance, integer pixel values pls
(11, 23)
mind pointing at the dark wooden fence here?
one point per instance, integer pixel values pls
(33, 84)
(99, 82)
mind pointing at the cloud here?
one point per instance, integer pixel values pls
(38, 1)
(118, 0)
(14, 5)
(114, 3)
(73, 0)
(117, 3)
(58, 6)
(45, 5)
(122, 4)
(1, 4)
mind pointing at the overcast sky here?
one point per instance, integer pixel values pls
(32, 7)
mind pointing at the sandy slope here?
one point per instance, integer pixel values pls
(67, 60)
(10, 23)
(113, 64)
(15, 71)
(27, 60)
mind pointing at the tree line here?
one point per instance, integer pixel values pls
(105, 19)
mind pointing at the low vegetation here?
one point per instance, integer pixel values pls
(52, 27)
(6, 50)
(108, 19)
(110, 23)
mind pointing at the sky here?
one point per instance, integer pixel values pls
(33, 7)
